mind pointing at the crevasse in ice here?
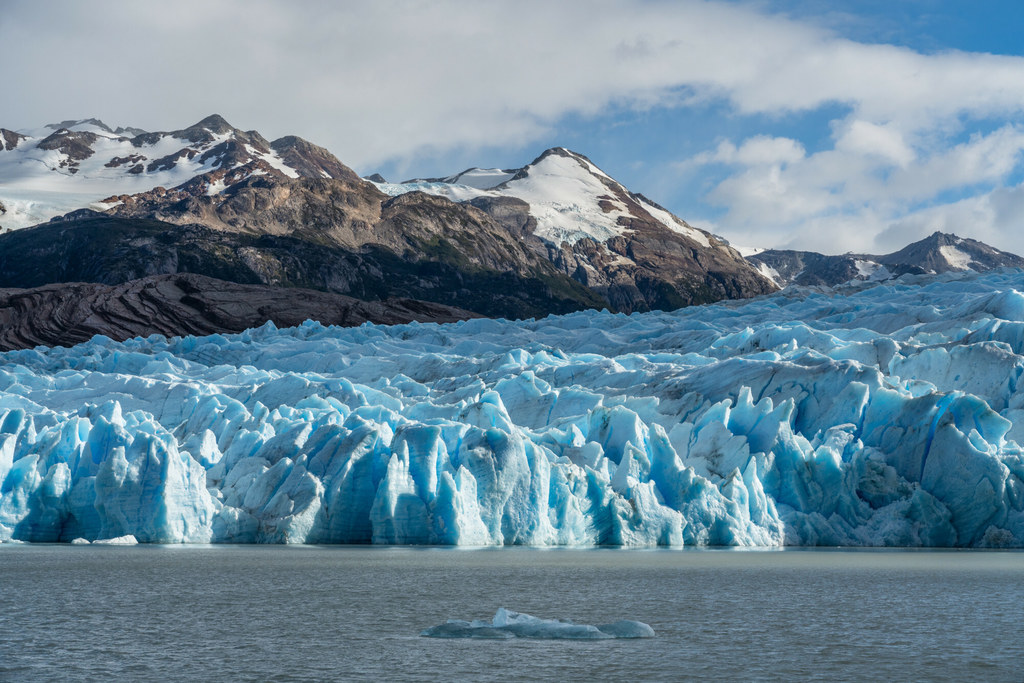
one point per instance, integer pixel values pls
(881, 416)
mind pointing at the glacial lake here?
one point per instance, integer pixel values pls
(259, 613)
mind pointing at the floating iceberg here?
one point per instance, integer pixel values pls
(509, 624)
(120, 540)
(888, 415)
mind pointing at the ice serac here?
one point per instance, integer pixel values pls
(886, 416)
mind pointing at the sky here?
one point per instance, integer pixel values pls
(849, 125)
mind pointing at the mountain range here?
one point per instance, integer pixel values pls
(258, 224)
(74, 164)
(937, 253)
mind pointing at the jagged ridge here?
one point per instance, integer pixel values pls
(938, 253)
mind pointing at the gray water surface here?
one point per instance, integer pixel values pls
(257, 613)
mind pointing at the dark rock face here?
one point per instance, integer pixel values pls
(648, 267)
(928, 255)
(310, 160)
(168, 162)
(430, 266)
(213, 123)
(937, 253)
(9, 139)
(69, 313)
(76, 145)
(654, 268)
(131, 159)
(808, 268)
(511, 213)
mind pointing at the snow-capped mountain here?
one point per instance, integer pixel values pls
(617, 242)
(554, 236)
(569, 197)
(937, 253)
(77, 164)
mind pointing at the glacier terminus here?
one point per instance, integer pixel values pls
(883, 415)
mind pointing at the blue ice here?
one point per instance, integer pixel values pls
(878, 416)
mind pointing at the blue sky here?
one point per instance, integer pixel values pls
(834, 126)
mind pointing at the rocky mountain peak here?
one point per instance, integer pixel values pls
(616, 242)
(310, 160)
(9, 139)
(75, 146)
(71, 124)
(214, 123)
(940, 252)
(562, 152)
(79, 163)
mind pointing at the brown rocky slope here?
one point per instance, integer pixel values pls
(64, 314)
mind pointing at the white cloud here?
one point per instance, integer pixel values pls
(869, 178)
(389, 80)
(993, 217)
(759, 150)
(870, 139)
(381, 79)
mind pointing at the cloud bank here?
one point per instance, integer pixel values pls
(917, 142)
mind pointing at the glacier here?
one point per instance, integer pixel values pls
(880, 415)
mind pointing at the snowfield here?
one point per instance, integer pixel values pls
(885, 415)
(568, 196)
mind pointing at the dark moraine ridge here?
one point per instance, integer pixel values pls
(64, 314)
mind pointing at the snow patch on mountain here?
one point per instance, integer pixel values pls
(568, 200)
(481, 178)
(29, 207)
(216, 187)
(565, 198)
(746, 251)
(569, 196)
(769, 273)
(276, 162)
(871, 270)
(956, 258)
(673, 223)
(456, 193)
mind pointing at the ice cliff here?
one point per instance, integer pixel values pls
(887, 415)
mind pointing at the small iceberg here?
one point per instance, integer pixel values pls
(509, 624)
(120, 540)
